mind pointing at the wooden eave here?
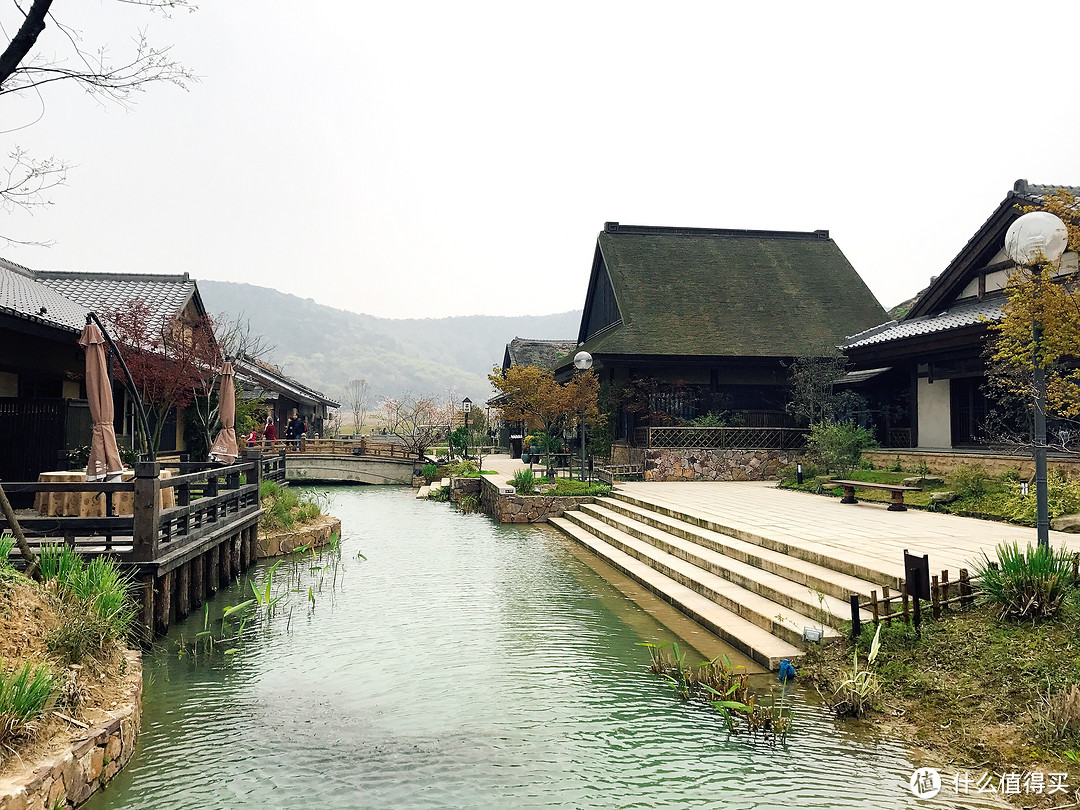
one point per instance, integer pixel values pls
(976, 254)
(918, 347)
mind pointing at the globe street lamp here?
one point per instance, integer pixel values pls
(1038, 237)
(466, 405)
(583, 362)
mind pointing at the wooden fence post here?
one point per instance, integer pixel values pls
(146, 511)
(856, 621)
(874, 606)
(885, 597)
(935, 596)
(945, 588)
(965, 589)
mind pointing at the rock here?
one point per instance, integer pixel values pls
(942, 496)
(923, 481)
(1066, 523)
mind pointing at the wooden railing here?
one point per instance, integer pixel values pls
(338, 447)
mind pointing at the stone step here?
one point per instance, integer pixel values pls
(811, 575)
(424, 491)
(859, 568)
(783, 622)
(785, 592)
(749, 638)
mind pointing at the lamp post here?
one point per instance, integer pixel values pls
(466, 405)
(1038, 237)
(583, 362)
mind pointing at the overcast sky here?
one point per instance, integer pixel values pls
(431, 159)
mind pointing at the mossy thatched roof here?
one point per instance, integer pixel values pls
(703, 292)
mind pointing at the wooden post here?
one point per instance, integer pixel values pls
(146, 510)
(904, 596)
(183, 591)
(210, 492)
(147, 609)
(253, 544)
(856, 621)
(234, 546)
(213, 570)
(198, 581)
(245, 542)
(254, 475)
(935, 596)
(163, 602)
(874, 606)
(226, 563)
(945, 588)
(965, 589)
(885, 597)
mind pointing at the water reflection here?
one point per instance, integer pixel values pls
(464, 664)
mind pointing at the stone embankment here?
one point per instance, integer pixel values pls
(715, 465)
(68, 779)
(285, 541)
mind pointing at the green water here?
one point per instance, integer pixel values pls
(463, 664)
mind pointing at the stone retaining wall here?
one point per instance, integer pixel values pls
(68, 780)
(514, 508)
(275, 544)
(993, 463)
(715, 465)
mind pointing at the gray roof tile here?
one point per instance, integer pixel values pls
(21, 295)
(959, 315)
(166, 295)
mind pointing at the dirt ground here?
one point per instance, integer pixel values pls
(27, 614)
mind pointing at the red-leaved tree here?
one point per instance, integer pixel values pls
(171, 361)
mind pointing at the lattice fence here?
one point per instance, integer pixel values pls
(726, 438)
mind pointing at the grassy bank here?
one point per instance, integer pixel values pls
(977, 692)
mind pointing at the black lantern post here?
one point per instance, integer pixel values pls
(466, 405)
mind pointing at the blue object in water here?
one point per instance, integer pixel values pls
(787, 671)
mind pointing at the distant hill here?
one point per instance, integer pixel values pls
(324, 347)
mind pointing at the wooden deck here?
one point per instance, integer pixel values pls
(178, 556)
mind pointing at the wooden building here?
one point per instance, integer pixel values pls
(718, 312)
(924, 374)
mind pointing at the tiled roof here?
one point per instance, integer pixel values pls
(539, 353)
(853, 377)
(166, 295)
(22, 296)
(967, 313)
(706, 292)
(271, 378)
(1035, 192)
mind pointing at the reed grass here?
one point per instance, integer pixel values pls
(1026, 585)
(26, 694)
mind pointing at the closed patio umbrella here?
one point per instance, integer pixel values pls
(223, 450)
(104, 455)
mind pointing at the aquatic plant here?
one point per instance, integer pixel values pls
(524, 482)
(858, 691)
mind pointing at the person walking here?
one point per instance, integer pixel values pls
(270, 432)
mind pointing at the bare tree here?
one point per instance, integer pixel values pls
(31, 61)
(356, 397)
(415, 421)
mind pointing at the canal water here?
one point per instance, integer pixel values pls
(463, 664)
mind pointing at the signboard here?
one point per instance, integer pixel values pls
(917, 574)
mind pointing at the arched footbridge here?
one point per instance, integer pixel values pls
(362, 461)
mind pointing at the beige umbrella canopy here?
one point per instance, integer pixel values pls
(223, 449)
(104, 455)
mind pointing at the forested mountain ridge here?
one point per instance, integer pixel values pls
(324, 347)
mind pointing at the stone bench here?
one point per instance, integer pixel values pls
(897, 491)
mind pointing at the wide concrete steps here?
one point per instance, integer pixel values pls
(814, 577)
(791, 595)
(859, 568)
(785, 623)
(760, 644)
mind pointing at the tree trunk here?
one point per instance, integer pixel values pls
(24, 39)
(32, 569)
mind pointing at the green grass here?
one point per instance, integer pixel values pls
(1026, 585)
(568, 486)
(524, 482)
(95, 603)
(283, 508)
(26, 694)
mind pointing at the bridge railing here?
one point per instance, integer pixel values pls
(336, 447)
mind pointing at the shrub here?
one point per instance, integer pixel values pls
(713, 419)
(896, 466)
(1029, 584)
(25, 695)
(968, 480)
(429, 471)
(1063, 498)
(524, 482)
(921, 467)
(838, 445)
(567, 486)
(464, 469)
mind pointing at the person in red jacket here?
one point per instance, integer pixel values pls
(270, 433)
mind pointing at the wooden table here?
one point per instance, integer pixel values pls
(89, 504)
(897, 491)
